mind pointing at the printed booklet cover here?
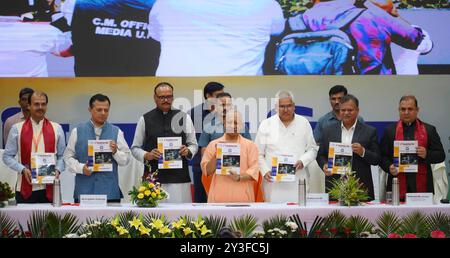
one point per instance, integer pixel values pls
(340, 158)
(100, 157)
(228, 158)
(170, 149)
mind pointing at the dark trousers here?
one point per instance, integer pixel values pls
(36, 197)
(199, 190)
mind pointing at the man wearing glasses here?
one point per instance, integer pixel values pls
(285, 133)
(164, 121)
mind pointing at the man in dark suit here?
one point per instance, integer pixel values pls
(361, 136)
(429, 150)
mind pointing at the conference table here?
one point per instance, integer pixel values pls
(262, 211)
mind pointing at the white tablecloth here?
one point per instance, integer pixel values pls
(261, 211)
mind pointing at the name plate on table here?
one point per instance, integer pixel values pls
(419, 199)
(317, 199)
(93, 200)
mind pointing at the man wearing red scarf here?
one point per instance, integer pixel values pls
(35, 135)
(429, 150)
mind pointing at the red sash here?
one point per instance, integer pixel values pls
(420, 135)
(26, 139)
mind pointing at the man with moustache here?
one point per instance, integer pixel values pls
(363, 139)
(36, 134)
(165, 121)
(76, 153)
(335, 94)
(429, 150)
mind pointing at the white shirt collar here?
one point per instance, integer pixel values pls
(351, 128)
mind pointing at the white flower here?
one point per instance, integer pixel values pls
(270, 230)
(283, 232)
(71, 236)
(85, 235)
(292, 225)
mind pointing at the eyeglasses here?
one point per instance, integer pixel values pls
(168, 97)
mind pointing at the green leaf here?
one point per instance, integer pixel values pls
(414, 223)
(215, 223)
(438, 221)
(335, 221)
(358, 224)
(245, 225)
(7, 226)
(388, 223)
(36, 223)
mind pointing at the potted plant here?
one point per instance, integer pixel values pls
(348, 190)
(6, 193)
(149, 192)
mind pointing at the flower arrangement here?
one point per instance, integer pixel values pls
(149, 192)
(132, 225)
(278, 227)
(186, 227)
(348, 190)
(6, 192)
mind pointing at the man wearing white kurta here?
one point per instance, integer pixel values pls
(285, 134)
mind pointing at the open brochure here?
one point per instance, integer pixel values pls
(170, 149)
(43, 168)
(340, 158)
(228, 158)
(283, 168)
(100, 157)
(405, 156)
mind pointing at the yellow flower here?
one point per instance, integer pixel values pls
(199, 223)
(178, 224)
(164, 230)
(121, 230)
(153, 195)
(157, 191)
(187, 231)
(135, 223)
(142, 189)
(204, 230)
(140, 196)
(144, 230)
(157, 224)
(147, 192)
(115, 222)
(151, 185)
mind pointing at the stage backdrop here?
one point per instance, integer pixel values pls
(131, 97)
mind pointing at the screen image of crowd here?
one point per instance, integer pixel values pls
(144, 38)
(342, 160)
(103, 158)
(286, 169)
(231, 160)
(409, 158)
(172, 154)
(47, 170)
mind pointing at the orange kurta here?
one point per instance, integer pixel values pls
(223, 188)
